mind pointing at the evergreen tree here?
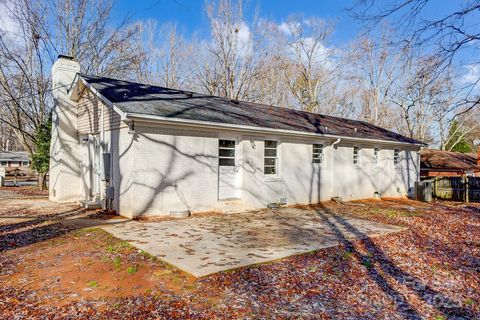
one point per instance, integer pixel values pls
(456, 139)
(41, 156)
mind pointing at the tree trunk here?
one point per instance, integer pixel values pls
(42, 181)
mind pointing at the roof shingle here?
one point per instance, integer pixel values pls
(144, 99)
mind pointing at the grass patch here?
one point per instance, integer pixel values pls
(118, 247)
(92, 284)
(117, 262)
(147, 255)
(132, 269)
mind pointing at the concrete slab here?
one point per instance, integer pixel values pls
(201, 246)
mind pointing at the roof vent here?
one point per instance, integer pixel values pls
(189, 94)
(125, 96)
(235, 101)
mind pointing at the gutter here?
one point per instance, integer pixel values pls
(207, 124)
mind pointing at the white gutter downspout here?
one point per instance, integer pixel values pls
(336, 142)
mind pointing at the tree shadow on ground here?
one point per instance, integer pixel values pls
(44, 227)
(387, 268)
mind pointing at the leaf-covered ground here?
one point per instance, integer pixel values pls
(431, 270)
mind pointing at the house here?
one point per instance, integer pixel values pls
(14, 159)
(446, 163)
(146, 150)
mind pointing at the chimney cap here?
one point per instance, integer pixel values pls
(64, 56)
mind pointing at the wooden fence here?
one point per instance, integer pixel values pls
(457, 188)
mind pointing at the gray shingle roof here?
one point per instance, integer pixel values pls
(448, 160)
(144, 99)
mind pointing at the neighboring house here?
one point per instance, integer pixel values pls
(446, 163)
(14, 159)
(147, 150)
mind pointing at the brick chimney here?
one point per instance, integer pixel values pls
(65, 153)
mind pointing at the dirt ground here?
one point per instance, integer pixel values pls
(431, 270)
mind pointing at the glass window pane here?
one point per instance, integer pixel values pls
(270, 161)
(226, 143)
(317, 150)
(270, 170)
(270, 152)
(226, 162)
(226, 152)
(270, 144)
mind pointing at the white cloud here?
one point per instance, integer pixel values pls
(7, 24)
(288, 28)
(320, 54)
(244, 36)
(470, 78)
(472, 75)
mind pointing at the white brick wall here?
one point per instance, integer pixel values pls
(167, 169)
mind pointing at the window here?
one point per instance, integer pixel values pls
(396, 157)
(3, 163)
(356, 155)
(375, 155)
(226, 153)
(25, 163)
(270, 158)
(317, 153)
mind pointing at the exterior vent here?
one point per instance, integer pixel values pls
(180, 214)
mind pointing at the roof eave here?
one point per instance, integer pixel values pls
(75, 95)
(227, 126)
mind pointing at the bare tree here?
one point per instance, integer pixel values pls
(446, 37)
(232, 63)
(308, 65)
(39, 30)
(168, 57)
(375, 68)
(424, 98)
(83, 29)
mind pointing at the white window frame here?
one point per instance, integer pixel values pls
(276, 157)
(318, 158)
(376, 156)
(227, 148)
(396, 157)
(356, 156)
(25, 163)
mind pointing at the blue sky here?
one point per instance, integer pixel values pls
(190, 15)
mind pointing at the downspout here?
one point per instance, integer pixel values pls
(333, 166)
(336, 142)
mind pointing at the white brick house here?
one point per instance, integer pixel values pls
(146, 150)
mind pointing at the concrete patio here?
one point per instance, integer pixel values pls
(206, 245)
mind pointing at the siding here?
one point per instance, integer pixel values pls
(91, 110)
